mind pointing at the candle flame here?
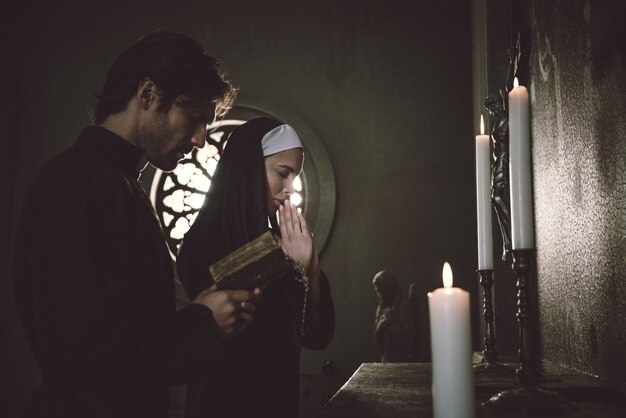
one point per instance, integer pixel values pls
(515, 82)
(447, 275)
(482, 125)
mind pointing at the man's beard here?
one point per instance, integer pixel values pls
(154, 138)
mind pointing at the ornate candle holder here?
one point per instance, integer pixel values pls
(489, 364)
(529, 399)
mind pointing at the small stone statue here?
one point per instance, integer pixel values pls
(394, 323)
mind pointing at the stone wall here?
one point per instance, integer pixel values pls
(578, 81)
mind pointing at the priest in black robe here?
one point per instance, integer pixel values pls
(93, 275)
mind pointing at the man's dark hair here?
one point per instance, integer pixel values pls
(177, 64)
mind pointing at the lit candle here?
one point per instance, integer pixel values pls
(522, 233)
(453, 379)
(483, 199)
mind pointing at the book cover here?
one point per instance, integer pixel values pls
(255, 264)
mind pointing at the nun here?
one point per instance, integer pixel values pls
(256, 372)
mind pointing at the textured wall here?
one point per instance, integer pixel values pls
(578, 82)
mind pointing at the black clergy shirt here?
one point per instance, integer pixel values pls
(95, 289)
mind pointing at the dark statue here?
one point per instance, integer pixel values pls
(394, 323)
(497, 106)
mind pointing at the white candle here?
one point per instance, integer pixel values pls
(453, 378)
(522, 233)
(483, 199)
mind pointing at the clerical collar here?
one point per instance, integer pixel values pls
(112, 147)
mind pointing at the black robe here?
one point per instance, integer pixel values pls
(95, 289)
(258, 371)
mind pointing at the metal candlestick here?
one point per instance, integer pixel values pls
(490, 354)
(489, 364)
(530, 399)
(528, 372)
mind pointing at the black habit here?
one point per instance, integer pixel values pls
(258, 371)
(95, 289)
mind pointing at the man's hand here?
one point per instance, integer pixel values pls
(232, 309)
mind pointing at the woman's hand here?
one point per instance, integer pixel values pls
(296, 239)
(297, 242)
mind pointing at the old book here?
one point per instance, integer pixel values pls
(256, 264)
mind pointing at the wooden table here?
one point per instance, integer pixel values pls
(401, 390)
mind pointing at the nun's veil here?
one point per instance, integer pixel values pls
(235, 209)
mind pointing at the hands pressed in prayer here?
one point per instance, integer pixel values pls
(232, 309)
(295, 238)
(297, 242)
